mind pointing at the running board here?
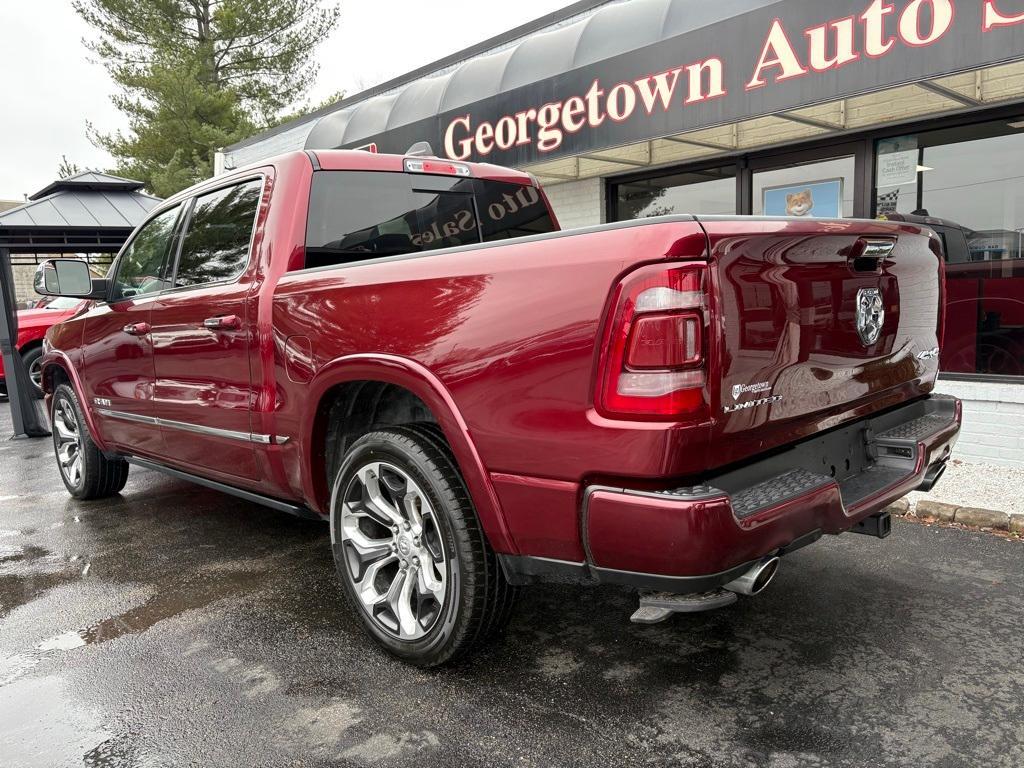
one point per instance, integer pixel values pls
(656, 607)
(257, 498)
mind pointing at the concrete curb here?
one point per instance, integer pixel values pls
(972, 517)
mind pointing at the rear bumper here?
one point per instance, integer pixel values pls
(697, 538)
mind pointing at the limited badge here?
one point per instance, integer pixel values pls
(870, 315)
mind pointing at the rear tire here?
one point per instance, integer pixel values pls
(411, 555)
(87, 473)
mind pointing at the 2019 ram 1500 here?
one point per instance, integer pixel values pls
(408, 347)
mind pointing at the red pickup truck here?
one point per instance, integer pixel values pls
(409, 348)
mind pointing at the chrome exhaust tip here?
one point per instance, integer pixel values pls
(756, 580)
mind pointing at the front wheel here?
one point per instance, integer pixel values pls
(409, 550)
(33, 359)
(87, 473)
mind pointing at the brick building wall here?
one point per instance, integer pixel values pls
(993, 431)
(577, 203)
(23, 277)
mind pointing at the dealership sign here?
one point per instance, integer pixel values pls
(778, 57)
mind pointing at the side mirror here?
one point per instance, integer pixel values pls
(68, 277)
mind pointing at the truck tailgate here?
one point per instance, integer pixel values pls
(819, 322)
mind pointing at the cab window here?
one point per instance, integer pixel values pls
(216, 246)
(142, 268)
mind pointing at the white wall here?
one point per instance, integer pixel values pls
(577, 203)
(993, 431)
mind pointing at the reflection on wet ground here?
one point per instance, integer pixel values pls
(175, 626)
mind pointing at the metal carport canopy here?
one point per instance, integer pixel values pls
(86, 213)
(624, 43)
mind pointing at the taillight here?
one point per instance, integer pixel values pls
(654, 364)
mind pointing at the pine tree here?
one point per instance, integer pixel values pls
(66, 169)
(197, 75)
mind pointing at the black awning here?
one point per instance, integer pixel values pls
(646, 69)
(535, 62)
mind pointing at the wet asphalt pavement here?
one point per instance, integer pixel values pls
(177, 626)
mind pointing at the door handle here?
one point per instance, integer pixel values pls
(136, 329)
(223, 323)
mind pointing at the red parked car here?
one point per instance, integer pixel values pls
(32, 327)
(409, 348)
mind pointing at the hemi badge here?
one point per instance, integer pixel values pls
(101, 401)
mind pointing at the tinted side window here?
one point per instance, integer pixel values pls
(357, 215)
(216, 246)
(142, 267)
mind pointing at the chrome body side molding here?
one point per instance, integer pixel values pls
(228, 434)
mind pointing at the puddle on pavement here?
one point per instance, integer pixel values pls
(194, 594)
(115, 752)
(166, 605)
(17, 554)
(40, 712)
(65, 642)
(19, 589)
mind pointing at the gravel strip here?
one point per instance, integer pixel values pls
(979, 485)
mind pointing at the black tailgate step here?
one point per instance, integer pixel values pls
(776, 490)
(915, 429)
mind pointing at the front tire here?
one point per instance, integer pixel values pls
(409, 550)
(33, 359)
(87, 473)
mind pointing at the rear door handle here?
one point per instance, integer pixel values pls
(223, 323)
(136, 329)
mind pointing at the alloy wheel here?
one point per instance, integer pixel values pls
(68, 439)
(393, 549)
(35, 373)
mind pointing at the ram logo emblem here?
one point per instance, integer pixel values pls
(870, 315)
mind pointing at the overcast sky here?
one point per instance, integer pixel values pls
(51, 88)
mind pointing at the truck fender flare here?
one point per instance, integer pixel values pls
(414, 377)
(57, 359)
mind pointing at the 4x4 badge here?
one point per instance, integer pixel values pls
(870, 315)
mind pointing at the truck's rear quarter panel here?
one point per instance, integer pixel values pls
(510, 331)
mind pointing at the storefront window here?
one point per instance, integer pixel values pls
(968, 185)
(820, 189)
(711, 191)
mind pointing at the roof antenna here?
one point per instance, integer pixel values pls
(420, 149)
